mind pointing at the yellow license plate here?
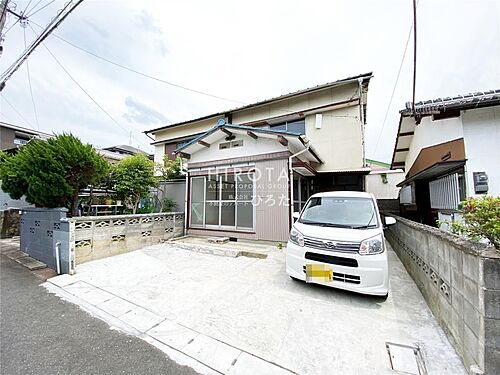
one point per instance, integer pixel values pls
(318, 272)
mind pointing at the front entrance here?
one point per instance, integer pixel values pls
(304, 187)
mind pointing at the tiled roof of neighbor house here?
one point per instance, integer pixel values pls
(365, 77)
(476, 100)
(125, 149)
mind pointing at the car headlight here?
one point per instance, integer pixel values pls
(296, 237)
(373, 245)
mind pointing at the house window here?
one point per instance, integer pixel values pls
(20, 141)
(231, 144)
(223, 201)
(298, 126)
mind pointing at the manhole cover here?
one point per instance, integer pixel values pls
(406, 359)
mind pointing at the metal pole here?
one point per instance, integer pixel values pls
(414, 51)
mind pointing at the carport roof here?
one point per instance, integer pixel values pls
(249, 130)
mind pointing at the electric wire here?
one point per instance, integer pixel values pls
(33, 7)
(88, 95)
(163, 81)
(394, 89)
(144, 74)
(18, 113)
(45, 6)
(29, 82)
(24, 11)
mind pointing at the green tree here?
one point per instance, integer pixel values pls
(171, 168)
(481, 219)
(132, 179)
(50, 173)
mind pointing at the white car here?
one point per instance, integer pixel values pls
(338, 241)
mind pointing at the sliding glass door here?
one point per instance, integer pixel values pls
(222, 201)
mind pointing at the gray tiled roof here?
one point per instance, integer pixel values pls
(474, 100)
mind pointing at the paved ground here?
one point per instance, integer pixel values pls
(244, 315)
(41, 334)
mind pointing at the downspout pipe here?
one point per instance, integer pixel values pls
(185, 198)
(290, 160)
(58, 257)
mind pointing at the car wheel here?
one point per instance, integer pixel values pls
(384, 297)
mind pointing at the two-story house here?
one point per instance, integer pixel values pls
(450, 150)
(250, 168)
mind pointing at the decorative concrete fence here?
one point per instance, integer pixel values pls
(95, 237)
(60, 242)
(460, 280)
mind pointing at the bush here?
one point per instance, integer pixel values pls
(132, 178)
(481, 219)
(51, 173)
(168, 205)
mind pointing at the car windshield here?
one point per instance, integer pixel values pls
(344, 212)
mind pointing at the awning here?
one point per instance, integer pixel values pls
(435, 170)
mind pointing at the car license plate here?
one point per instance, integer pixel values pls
(318, 273)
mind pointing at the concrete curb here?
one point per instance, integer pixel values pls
(186, 346)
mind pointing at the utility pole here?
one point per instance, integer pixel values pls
(56, 21)
(3, 17)
(414, 52)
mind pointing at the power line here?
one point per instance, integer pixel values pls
(394, 89)
(29, 82)
(45, 6)
(24, 11)
(144, 74)
(86, 93)
(33, 7)
(15, 110)
(56, 21)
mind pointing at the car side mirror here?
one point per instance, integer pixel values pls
(296, 215)
(389, 220)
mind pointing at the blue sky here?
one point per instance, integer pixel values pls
(245, 51)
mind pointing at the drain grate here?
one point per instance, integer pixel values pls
(406, 359)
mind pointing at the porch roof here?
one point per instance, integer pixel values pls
(287, 138)
(435, 170)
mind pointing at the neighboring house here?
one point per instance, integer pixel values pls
(240, 163)
(110, 156)
(12, 136)
(382, 182)
(126, 150)
(450, 150)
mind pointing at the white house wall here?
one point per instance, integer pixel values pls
(250, 147)
(482, 146)
(339, 141)
(374, 184)
(430, 133)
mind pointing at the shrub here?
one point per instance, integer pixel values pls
(50, 173)
(168, 205)
(481, 219)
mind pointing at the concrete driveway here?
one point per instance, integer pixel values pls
(245, 315)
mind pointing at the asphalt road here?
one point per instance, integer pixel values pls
(41, 334)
